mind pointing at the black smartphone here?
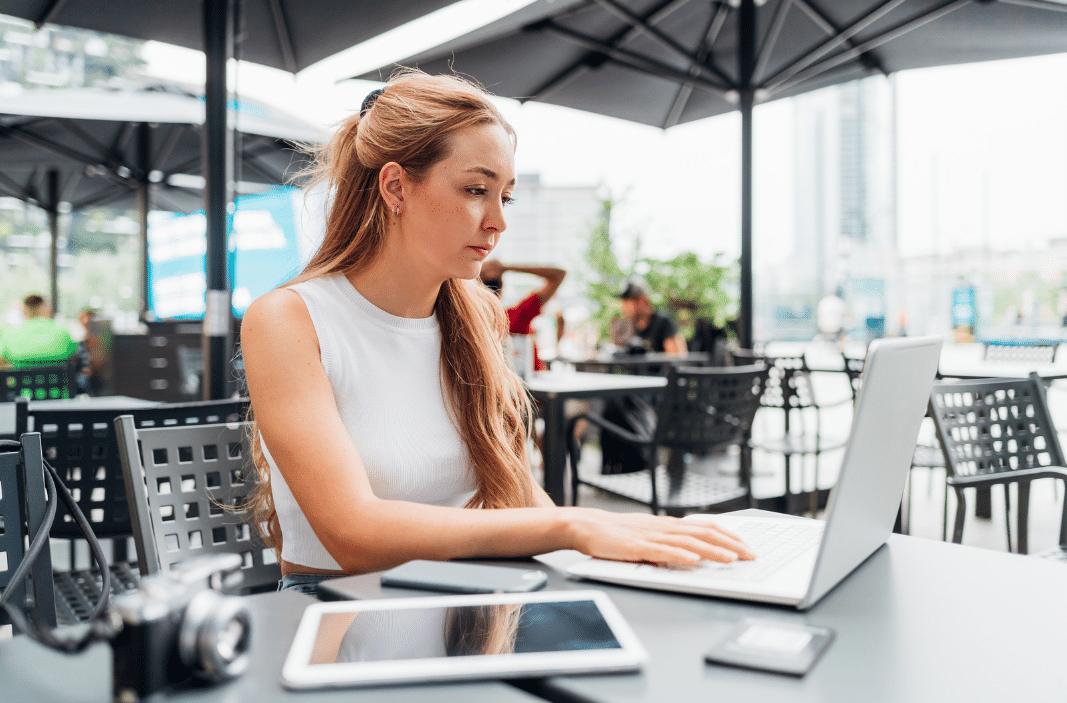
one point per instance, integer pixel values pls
(461, 577)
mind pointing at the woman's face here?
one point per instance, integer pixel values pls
(451, 221)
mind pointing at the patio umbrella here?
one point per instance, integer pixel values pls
(141, 148)
(666, 62)
(286, 34)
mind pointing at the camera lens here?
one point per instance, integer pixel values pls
(215, 636)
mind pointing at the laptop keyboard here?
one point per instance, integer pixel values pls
(775, 545)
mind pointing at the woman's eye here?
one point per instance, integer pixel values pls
(476, 191)
(507, 200)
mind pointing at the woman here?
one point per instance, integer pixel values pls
(384, 406)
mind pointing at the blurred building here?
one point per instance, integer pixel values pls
(548, 225)
(844, 215)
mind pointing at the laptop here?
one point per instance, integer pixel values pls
(800, 560)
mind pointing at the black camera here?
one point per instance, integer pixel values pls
(178, 626)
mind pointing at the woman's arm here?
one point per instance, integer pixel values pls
(295, 411)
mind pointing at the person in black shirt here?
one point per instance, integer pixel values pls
(653, 329)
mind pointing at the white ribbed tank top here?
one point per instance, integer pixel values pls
(386, 377)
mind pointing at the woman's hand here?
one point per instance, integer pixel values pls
(641, 537)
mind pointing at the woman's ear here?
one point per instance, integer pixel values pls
(391, 179)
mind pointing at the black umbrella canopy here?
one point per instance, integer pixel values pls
(107, 143)
(666, 62)
(286, 34)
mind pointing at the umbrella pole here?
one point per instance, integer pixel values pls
(746, 66)
(53, 228)
(218, 21)
(144, 151)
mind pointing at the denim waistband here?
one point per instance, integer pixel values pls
(303, 583)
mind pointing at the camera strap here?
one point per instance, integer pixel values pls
(100, 628)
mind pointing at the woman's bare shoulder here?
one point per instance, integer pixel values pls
(278, 311)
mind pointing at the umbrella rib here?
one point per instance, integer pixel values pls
(820, 18)
(74, 179)
(633, 60)
(646, 27)
(764, 52)
(17, 189)
(888, 35)
(50, 11)
(1037, 4)
(48, 145)
(829, 45)
(285, 37)
(104, 154)
(169, 143)
(580, 67)
(681, 98)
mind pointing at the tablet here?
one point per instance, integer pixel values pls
(447, 638)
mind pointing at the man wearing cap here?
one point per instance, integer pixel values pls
(38, 341)
(655, 330)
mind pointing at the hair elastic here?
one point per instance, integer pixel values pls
(368, 102)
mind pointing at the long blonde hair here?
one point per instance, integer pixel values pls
(411, 122)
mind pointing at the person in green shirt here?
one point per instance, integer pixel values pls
(38, 341)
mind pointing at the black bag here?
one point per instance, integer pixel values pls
(619, 456)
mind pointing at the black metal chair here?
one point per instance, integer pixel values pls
(46, 382)
(701, 410)
(998, 432)
(789, 389)
(82, 446)
(22, 513)
(186, 487)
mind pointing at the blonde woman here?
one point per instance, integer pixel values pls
(388, 425)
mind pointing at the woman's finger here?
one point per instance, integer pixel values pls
(704, 549)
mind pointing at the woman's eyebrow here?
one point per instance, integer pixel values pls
(488, 173)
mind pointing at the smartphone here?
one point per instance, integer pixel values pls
(460, 577)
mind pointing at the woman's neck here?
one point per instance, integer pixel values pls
(396, 289)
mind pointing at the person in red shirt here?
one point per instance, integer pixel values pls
(522, 314)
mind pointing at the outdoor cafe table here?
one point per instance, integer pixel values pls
(104, 402)
(31, 673)
(641, 364)
(552, 389)
(920, 621)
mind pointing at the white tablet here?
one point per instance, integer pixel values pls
(445, 638)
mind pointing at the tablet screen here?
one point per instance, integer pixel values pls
(499, 634)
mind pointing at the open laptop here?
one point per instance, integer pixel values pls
(800, 560)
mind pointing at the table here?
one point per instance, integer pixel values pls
(641, 364)
(30, 672)
(919, 621)
(104, 402)
(552, 389)
(965, 361)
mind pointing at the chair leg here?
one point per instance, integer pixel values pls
(944, 517)
(961, 515)
(1022, 537)
(1007, 515)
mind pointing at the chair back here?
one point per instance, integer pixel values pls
(1036, 353)
(51, 382)
(708, 408)
(81, 445)
(187, 486)
(854, 371)
(994, 426)
(788, 385)
(22, 513)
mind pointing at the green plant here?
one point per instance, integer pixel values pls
(685, 286)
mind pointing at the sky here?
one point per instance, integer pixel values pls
(982, 152)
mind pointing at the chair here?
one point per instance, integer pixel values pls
(789, 389)
(187, 487)
(22, 514)
(81, 445)
(1022, 353)
(51, 382)
(702, 409)
(998, 432)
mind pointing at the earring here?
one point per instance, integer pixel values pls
(396, 209)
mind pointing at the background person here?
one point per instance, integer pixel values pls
(522, 314)
(654, 329)
(391, 352)
(38, 341)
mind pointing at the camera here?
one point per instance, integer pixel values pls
(178, 626)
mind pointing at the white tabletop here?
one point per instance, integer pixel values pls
(579, 382)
